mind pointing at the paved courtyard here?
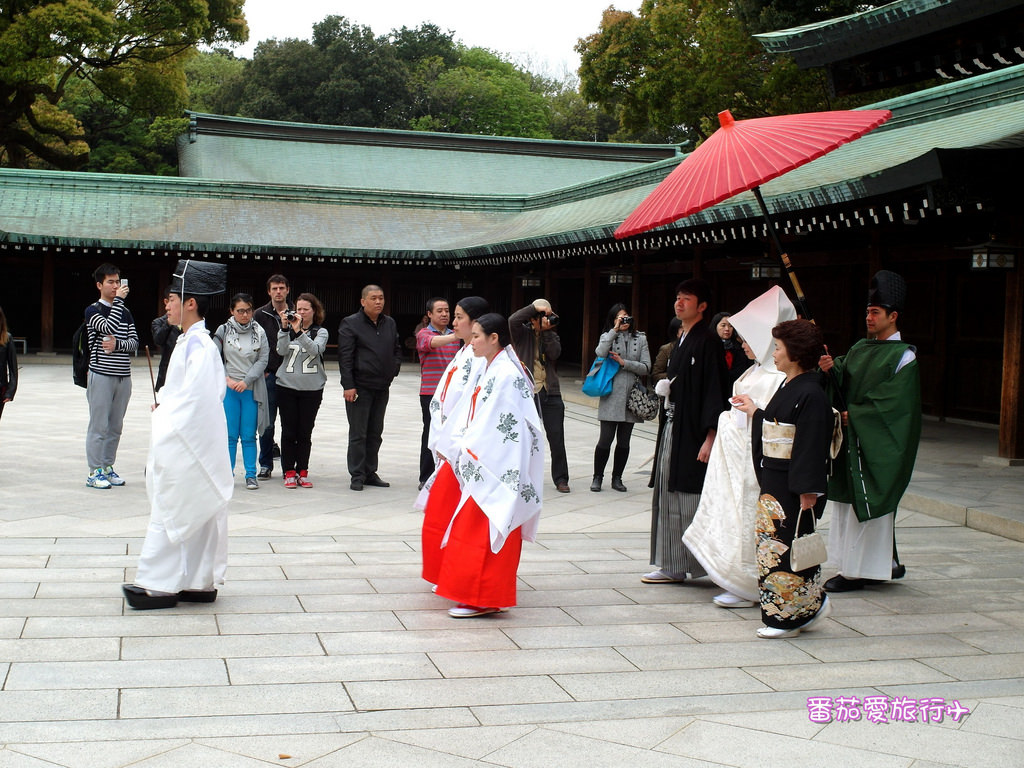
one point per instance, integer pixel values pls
(326, 649)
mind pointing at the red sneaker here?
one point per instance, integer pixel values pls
(304, 480)
(290, 480)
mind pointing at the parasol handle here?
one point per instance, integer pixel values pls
(801, 300)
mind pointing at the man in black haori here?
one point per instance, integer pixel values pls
(696, 390)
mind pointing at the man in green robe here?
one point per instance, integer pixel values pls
(881, 387)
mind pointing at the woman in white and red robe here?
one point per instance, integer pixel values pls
(441, 493)
(496, 450)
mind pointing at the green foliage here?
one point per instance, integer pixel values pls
(484, 95)
(674, 66)
(131, 51)
(215, 81)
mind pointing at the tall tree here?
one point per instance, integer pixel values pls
(677, 63)
(485, 95)
(130, 50)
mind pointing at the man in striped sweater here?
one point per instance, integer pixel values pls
(112, 341)
(436, 345)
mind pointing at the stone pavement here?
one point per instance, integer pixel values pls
(326, 649)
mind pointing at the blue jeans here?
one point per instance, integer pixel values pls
(267, 438)
(240, 409)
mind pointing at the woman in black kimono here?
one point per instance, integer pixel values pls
(790, 441)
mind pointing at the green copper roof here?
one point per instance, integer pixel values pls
(814, 45)
(245, 217)
(270, 152)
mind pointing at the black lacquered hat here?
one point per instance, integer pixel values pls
(887, 290)
(199, 278)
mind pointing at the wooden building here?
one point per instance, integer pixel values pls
(931, 194)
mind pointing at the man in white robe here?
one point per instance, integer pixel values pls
(188, 476)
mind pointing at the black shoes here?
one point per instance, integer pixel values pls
(264, 473)
(197, 595)
(595, 486)
(356, 485)
(617, 484)
(842, 584)
(376, 482)
(139, 599)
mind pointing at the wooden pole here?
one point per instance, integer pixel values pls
(1011, 409)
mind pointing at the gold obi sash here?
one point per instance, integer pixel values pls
(777, 440)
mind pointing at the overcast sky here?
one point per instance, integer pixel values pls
(537, 33)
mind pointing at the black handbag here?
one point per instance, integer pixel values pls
(641, 403)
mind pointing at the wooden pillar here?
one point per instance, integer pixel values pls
(589, 316)
(46, 304)
(1011, 411)
(636, 305)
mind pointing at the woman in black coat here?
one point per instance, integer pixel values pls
(8, 364)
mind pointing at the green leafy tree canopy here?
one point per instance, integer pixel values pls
(132, 51)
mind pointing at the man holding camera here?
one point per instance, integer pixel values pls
(536, 342)
(112, 340)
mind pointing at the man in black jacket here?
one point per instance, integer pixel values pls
(369, 356)
(697, 387)
(269, 318)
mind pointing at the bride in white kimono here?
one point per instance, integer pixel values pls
(721, 535)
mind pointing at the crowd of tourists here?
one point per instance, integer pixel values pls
(759, 430)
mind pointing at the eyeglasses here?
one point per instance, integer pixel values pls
(241, 311)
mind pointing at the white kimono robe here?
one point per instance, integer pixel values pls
(500, 457)
(459, 377)
(722, 535)
(188, 476)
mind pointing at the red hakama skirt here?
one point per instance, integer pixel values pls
(444, 497)
(472, 574)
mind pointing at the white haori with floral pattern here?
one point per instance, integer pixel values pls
(500, 457)
(459, 377)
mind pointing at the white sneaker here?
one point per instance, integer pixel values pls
(729, 600)
(97, 479)
(112, 477)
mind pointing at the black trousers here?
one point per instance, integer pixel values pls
(426, 455)
(552, 412)
(298, 417)
(621, 432)
(266, 459)
(365, 427)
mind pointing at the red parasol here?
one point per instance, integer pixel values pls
(741, 156)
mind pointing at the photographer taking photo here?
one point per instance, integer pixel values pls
(537, 344)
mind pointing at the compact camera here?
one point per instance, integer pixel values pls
(625, 320)
(289, 315)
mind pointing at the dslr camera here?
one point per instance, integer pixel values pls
(552, 318)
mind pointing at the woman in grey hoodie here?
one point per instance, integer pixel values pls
(244, 348)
